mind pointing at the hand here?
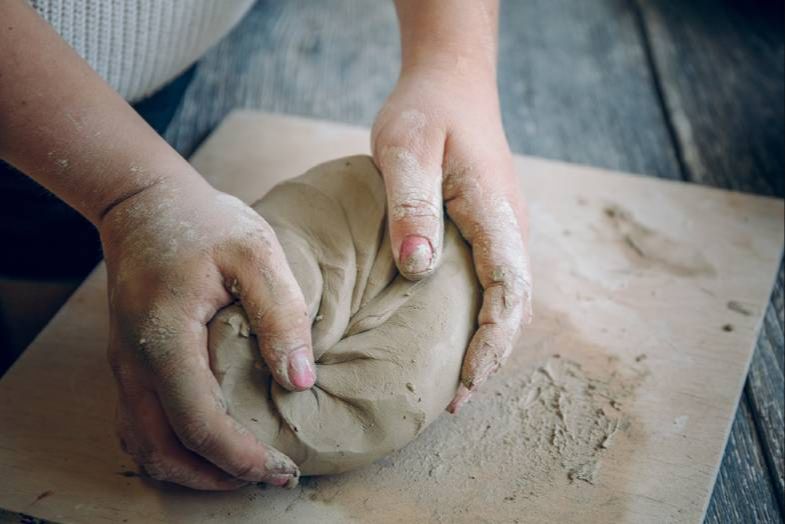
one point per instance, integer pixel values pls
(176, 253)
(439, 142)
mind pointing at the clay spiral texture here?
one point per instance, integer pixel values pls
(388, 351)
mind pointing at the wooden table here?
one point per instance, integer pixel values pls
(684, 90)
(640, 86)
(689, 91)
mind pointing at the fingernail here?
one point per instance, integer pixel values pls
(461, 397)
(301, 372)
(278, 464)
(278, 480)
(415, 255)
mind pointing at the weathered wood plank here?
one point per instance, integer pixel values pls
(720, 67)
(575, 86)
(573, 79)
(743, 492)
(336, 60)
(766, 388)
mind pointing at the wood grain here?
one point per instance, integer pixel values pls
(743, 492)
(575, 86)
(766, 389)
(336, 60)
(721, 69)
(573, 81)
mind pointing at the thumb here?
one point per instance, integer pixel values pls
(411, 165)
(276, 310)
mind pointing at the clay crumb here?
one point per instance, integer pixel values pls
(585, 472)
(234, 287)
(240, 325)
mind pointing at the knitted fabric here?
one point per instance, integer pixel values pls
(139, 45)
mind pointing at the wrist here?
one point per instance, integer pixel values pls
(450, 84)
(159, 185)
(463, 66)
(461, 37)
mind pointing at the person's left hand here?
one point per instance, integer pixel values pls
(439, 142)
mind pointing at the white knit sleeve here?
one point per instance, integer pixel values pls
(139, 45)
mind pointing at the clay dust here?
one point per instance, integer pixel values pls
(521, 441)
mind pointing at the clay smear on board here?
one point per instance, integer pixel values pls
(568, 418)
(646, 246)
(524, 438)
(555, 423)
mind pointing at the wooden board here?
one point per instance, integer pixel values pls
(630, 272)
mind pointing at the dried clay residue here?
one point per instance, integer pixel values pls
(647, 247)
(569, 419)
(554, 425)
(550, 427)
(523, 439)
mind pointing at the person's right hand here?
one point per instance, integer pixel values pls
(176, 253)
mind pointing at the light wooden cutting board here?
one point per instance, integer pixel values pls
(655, 289)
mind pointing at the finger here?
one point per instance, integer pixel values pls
(462, 396)
(145, 435)
(487, 211)
(260, 277)
(409, 153)
(196, 410)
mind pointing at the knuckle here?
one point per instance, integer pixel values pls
(195, 435)
(289, 316)
(245, 252)
(399, 128)
(254, 241)
(242, 471)
(251, 265)
(158, 467)
(415, 207)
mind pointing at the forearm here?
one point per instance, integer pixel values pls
(458, 35)
(61, 124)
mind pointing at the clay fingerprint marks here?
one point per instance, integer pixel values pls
(646, 247)
(571, 418)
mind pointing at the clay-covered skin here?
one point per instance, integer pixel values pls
(440, 145)
(388, 350)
